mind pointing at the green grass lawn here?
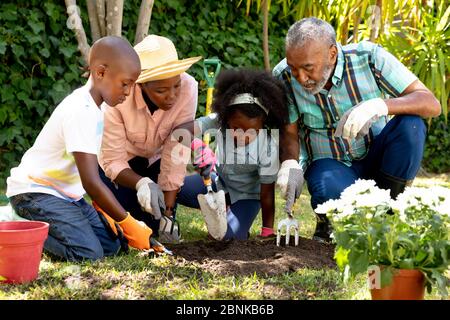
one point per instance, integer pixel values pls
(136, 277)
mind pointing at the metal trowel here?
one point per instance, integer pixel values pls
(213, 207)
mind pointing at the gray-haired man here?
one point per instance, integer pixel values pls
(339, 100)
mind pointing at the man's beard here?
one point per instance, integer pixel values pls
(317, 86)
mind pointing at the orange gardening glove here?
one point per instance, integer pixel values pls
(111, 221)
(137, 232)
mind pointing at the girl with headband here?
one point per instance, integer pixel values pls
(249, 106)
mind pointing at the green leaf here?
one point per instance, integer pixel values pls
(343, 239)
(3, 115)
(2, 47)
(443, 21)
(22, 96)
(420, 256)
(444, 252)
(68, 51)
(36, 26)
(387, 275)
(341, 257)
(430, 255)
(419, 64)
(41, 108)
(10, 15)
(7, 94)
(18, 51)
(45, 52)
(51, 10)
(443, 75)
(406, 264)
(441, 282)
(359, 261)
(35, 39)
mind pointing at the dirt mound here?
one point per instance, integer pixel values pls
(260, 256)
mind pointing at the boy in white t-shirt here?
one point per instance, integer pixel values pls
(61, 166)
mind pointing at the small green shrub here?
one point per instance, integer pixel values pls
(437, 148)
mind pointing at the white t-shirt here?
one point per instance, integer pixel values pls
(76, 125)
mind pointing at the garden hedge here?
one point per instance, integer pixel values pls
(40, 63)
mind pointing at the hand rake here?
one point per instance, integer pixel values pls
(288, 223)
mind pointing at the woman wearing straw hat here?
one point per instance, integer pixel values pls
(136, 152)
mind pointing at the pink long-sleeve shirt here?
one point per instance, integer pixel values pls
(130, 130)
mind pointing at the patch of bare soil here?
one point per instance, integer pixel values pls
(256, 255)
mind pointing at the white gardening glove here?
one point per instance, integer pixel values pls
(356, 122)
(150, 197)
(290, 181)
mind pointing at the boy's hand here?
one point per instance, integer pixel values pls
(204, 158)
(137, 232)
(150, 197)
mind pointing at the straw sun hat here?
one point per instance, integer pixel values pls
(159, 59)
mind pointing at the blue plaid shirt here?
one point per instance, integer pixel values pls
(363, 71)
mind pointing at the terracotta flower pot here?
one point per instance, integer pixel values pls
(405, 285)
(21, 245)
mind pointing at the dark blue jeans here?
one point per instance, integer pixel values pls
(240, 215)
(128, 197)
(396, 152)
(76, 232)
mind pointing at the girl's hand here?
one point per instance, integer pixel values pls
(204, 158)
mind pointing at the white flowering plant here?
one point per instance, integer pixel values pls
(412, 232)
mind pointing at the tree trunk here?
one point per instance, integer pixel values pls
(114, 9)
(74, 23)
(93, 20)
(376, 21)
(101, 14)
(145, 14)
(344, 33)
(356, 21)
(266, 35)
